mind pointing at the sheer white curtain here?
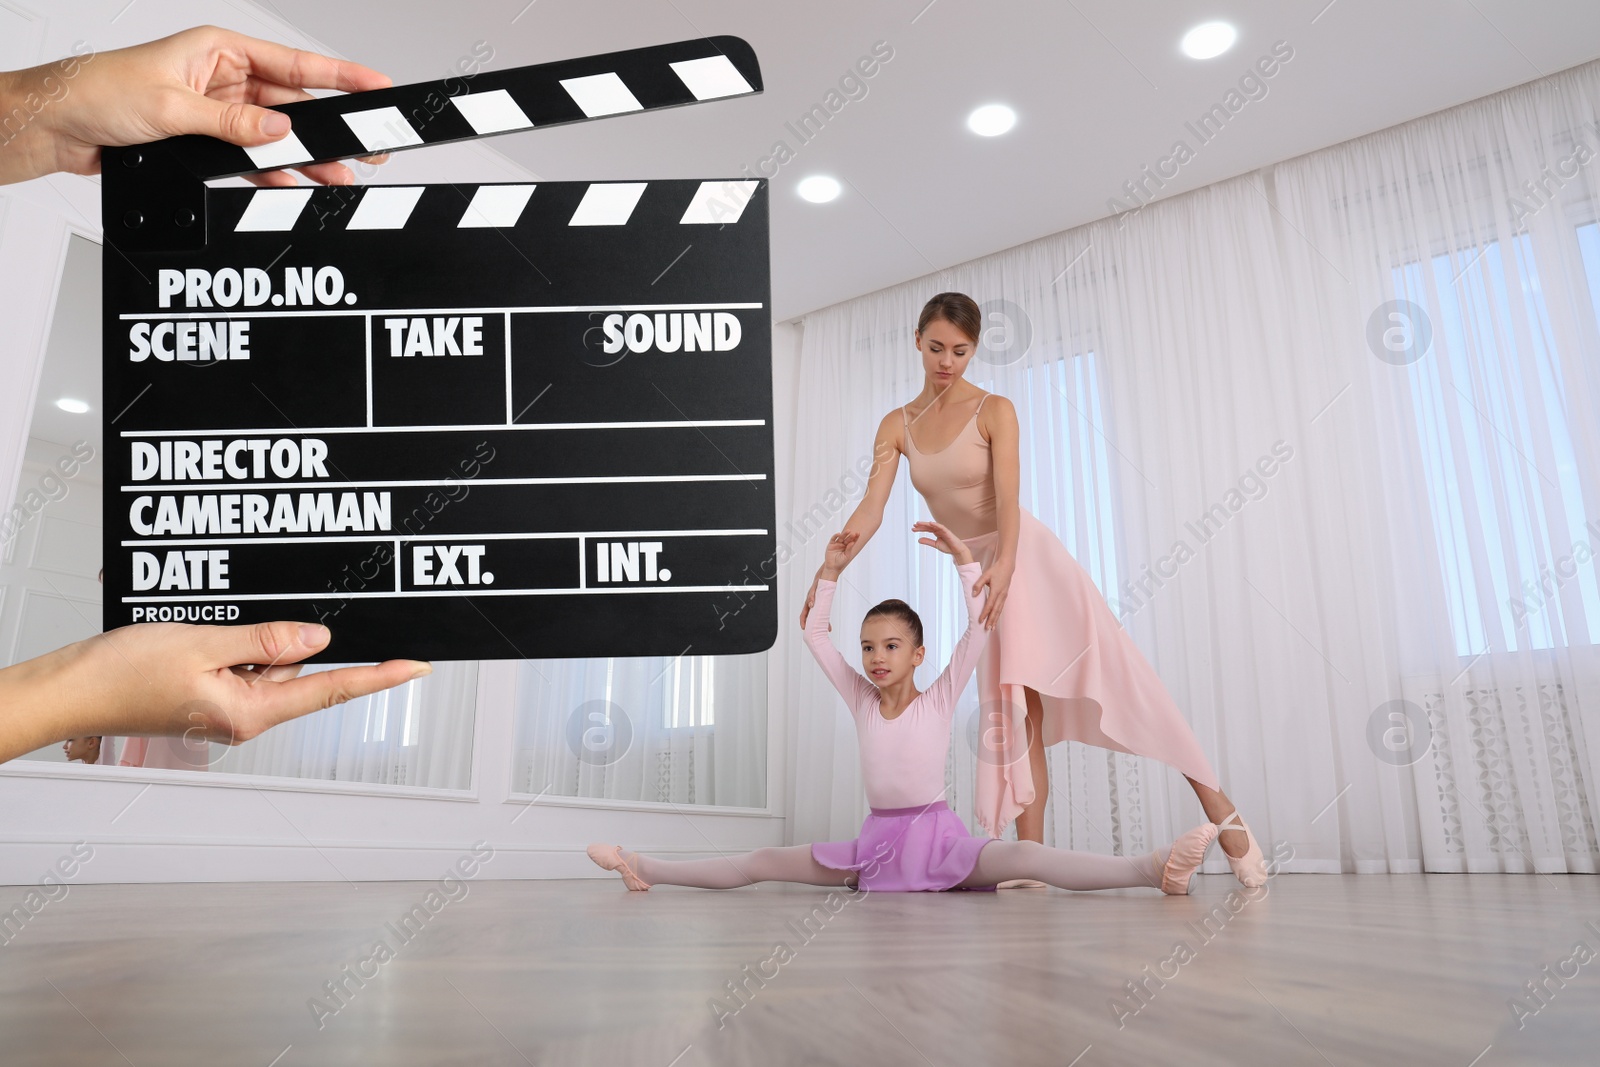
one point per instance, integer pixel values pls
(1474, 234)
(1365, 570)
(417, 734)
(658, 729)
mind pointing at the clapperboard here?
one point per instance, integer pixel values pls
(449, 421)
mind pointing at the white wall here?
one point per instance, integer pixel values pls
(150, 825)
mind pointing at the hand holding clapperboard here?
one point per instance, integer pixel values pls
(449, 422)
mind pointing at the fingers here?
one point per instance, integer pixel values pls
(329, 173)
(323, 173)
(991, 612)
(299, 69)
(281, 673)
(237, 123)
(270, 94)
(272, 179)
(264, 643)
(300, 696)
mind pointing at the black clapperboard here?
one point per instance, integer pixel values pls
(448, 421)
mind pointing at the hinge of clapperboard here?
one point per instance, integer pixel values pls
(153, 196)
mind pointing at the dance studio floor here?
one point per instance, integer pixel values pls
(1318, 970)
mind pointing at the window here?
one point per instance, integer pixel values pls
(691, 692)
(1481, 437)
(1066, 457)
(1064, 440)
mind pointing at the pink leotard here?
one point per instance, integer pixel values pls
(902, 759)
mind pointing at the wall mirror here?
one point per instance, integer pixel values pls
(418, 735)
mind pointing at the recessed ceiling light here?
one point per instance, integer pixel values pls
(77, 407)
(1208, 39)
(819, 189)
(991, 120)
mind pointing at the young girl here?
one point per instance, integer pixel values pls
(911, 840)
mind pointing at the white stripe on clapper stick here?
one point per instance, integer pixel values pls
(284, 153)
(498, 206)
(608, 204)
(385, 207)
(381, 129)
(601, 94)
(718, 202)
(273, 210)
(711, 77)
(492, 112)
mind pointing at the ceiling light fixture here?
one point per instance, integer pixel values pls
(1208, 39)
(819, 189)
(77, 407)
(991, 120)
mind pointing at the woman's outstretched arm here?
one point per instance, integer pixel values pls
(868, 515)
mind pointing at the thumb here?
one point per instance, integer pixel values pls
(265, 643)
(237, 123)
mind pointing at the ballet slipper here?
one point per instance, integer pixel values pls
(1250, 868)
(610, 858)
(1187, 853)
(1021, 883)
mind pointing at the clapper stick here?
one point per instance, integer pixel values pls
(153, 194)
(449, 421)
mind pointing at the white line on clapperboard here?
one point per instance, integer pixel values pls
(366, 314)
(326, 594)
(421, 483)
(547, 535)
(323, 430)
(257, 312)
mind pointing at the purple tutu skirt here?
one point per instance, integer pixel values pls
(907, 850)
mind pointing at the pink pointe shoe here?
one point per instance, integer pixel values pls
(1185, 858)
(610, 858)
(1250, 868)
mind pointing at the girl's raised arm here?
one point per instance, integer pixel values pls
(850, 683)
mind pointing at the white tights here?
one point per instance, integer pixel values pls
(998, 862)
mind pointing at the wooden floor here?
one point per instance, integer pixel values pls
(1318, 970)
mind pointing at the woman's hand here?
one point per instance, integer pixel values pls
(205, 80)
(944, 541)
(997, 577)
(217, 683)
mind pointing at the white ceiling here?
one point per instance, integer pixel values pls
(1100, 87)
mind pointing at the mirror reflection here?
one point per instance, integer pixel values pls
(659, 729)
(418, 735)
